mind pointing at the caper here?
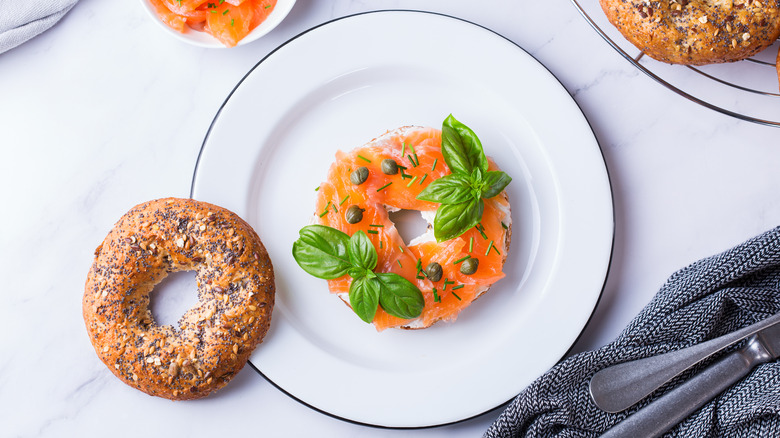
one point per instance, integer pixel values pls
(469, 266)
(359, 175)
(354, 214)
(389, 166)
(433, 271)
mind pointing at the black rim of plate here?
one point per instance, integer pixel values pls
(612, 244)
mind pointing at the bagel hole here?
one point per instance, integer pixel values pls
(409, 223)
(173, 296)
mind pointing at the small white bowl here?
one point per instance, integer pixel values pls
(203, 39)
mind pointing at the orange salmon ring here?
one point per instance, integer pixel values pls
(696, 32)
(418, 149)
(213, 339)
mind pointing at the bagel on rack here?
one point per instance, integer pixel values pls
(213, 340)
(696, 32)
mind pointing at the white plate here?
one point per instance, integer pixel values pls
(203, 39)
(338, 86)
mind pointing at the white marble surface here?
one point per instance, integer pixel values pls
(105, 111)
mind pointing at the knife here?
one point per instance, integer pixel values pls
(665, 412)
(620, 386)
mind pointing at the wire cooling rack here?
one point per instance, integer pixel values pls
(747, 90)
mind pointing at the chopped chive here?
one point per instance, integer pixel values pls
(226, 11)
(402, 167)
(403, 148)
(423, 178)
(446, 282)
(490, 245)
(316, 189)
(496, 250)
(419, 265)
(383, 187)
(436, 297)
(504, 225)
(416, 160)
(372, 231)
(405, 175)
(420, 277)
(411, 160)
(267, 6)
(471, 243)
(232, 21)
(460, 286)
(377, 225)
(344, 200)
(412, 181)
(461, 259)
(364, 158)
(401, 248)
(335, 209)
(326, 210)
(434, 164)
(399, 263)
(411, 148)
(380, 244)
(456, 295)
(213, 12)
(484, 236)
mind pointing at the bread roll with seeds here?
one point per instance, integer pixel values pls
(696, 32)
(213, 339)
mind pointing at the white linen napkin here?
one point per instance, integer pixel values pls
(21, 20)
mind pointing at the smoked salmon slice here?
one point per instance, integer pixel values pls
(417, 151)
(229, 21)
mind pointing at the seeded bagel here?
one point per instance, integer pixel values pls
(214, 339)
(696, 32)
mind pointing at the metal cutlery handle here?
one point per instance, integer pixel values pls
(621, 386)
(662, 414)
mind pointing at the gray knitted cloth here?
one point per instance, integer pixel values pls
(20, 20)
(705, 300)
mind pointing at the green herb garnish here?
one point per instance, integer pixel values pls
(226, 11)
(461, 259)
(462, 193)
(328, 253)
(383, 187)
(490, 245)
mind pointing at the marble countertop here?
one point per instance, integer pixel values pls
(105, 111)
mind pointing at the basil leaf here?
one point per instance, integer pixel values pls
(399, 297)
(361, 251)
(450, 189)
(322, 251)
(495, 182)
(453, 220)
(461, 148)
(356, 272)
(364, 297)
